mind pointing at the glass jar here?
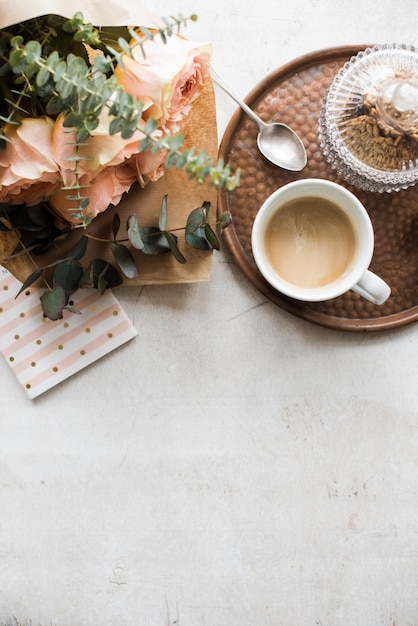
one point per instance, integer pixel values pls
(368, 124)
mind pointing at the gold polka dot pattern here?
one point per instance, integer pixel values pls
(44, 353)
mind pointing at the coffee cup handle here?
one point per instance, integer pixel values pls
(372, 288)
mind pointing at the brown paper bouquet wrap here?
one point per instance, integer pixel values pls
(183, 192)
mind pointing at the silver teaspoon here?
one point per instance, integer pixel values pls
(277, 142)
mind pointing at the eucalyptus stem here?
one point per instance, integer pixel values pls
(73, 86)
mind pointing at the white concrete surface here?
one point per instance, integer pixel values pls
(233, 465)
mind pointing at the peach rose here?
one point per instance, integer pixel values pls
(108, 166)
(99, 151)
(168, 79)
(148, 167)
(28, 171)
(102, 190)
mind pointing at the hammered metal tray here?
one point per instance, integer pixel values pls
(293, 94)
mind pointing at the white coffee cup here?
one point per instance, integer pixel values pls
(313, 240)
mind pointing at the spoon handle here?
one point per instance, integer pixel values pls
(218, 80)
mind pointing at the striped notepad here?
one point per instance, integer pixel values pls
(43, 353)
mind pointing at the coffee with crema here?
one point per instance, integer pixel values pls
(310, 242)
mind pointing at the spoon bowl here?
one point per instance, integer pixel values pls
(282, 146)
(277, 142)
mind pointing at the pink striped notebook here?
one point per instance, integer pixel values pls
(43, 353)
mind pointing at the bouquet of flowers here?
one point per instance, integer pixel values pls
(85, 114)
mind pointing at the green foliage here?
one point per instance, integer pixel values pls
(53, 302)
(36, 231)
(44, 68)
(124, 259)
(199, 233)
(100, 275)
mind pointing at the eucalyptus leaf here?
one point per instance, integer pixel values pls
(60, 71)
(154, 240)
(102, 64)
(172, 242)
(150, 126)
(31, 70)
(124, 45)
(225, 219)
(33, 50)
(54, 106)
(181, 160)
(201, 158)
(128, 128)
(124, 259)
(46, 89)
(43, 77)
(79, 249)
(115, 225)
(118, 57)
(138, 40)
(204, 172)
(206, 207)
(30, 280)
(195, 220)
(67, 274)
(176, 142)
(211, 237)
(73, 120)
(198, 240)
(168, 26)
(18, 61)
(162, 219)
(171, 159)
(162, 35)
(115, 126)
(53, 60)
(77, 67)
(66, 90)
(102, 284)
(53, 302)
(98, 272)
(16, 41)
(134, 234)
(146, 144)
(146, 33)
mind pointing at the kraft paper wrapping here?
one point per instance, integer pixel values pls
(184, 194)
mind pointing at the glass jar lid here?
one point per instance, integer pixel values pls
(369, 119)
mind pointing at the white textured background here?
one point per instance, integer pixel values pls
(233, 465)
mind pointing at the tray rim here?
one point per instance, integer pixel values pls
(297, 308)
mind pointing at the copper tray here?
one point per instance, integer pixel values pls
(293, 94)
